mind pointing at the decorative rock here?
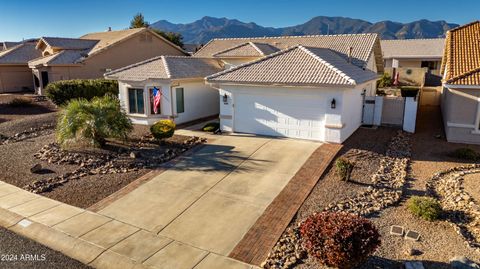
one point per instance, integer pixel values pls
(36, 168)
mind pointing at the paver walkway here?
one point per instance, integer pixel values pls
(190, 216)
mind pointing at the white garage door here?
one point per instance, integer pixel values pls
(280, 115)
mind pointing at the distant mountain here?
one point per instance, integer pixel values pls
(201, 31)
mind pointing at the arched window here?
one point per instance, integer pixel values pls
(46, 53)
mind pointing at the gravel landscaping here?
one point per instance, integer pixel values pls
(439, 242)
(79, 177)
(36, 107)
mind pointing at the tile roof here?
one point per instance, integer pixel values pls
(461, 61)
(8, 44)
(248, 49)
(413, 48)
(363, 45)
(68, 43)
(167, 67)
(20, 54)
(64, 57)
(298, 65)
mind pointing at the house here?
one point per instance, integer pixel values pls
(184, 96)
(313, 91)
(8, 45)
(461, 84)
(413, 58)
(15, 75)
(94, 54)
(236, 51)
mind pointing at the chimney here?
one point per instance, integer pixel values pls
(109, 29)
(350, 51)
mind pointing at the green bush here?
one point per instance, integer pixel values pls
(60, 92)
(211, 127)
(19, 102)
(344, 168)
(424, 207)
(163, 129)
(384, 81)
(339, 240)
(465, 154)
(92, 121)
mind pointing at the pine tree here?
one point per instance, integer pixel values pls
(138, 21)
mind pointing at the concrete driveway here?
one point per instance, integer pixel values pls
(208, 201)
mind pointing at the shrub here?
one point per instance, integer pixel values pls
(19, 102)
(424, 207)
(211, 127)
(93, 121)
(344, 168)
(465, 154)
(60, 92)
(163, 129)
(384, 81)
(339, 239)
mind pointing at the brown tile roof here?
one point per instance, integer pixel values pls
(167, 67)
(68, 43)
(249, 49)
(297, 65)
(64, 57)
(19, 54)
(461, 61)
(413, 48)
(8, 45)
(363, 45)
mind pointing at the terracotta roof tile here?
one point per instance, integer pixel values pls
(461, 62)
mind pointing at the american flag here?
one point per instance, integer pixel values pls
(156, 99)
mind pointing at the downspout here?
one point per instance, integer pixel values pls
(171, 103)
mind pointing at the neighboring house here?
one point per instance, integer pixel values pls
(92, 55)
(235, 51)
(413, 58)
(8, 45)
(461, 84)
(15, 75)
(184, 96)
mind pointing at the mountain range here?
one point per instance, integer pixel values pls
(207, 28)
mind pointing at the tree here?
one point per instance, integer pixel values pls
(138, 21)
(92, 121)
(175, 38)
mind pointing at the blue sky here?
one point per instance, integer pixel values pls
(73, 18)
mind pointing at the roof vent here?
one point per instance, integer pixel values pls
(109, 29)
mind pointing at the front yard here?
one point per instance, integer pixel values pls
(439, 242)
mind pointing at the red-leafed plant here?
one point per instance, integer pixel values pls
(340, 240)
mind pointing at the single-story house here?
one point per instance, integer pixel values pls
(94, 54)
(300, 92)
(179, 83)
(461, 84)
(413, 58)
(5, 45)
(15, 75)
(236, 51)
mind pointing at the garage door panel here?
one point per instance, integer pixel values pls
(280, 115)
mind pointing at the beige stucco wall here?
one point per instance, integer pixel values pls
(460, 110)
(15, 78)
(129, 51)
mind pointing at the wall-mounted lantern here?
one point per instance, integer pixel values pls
(333, 104)
(225, 99)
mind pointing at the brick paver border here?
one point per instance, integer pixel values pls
(262, 236)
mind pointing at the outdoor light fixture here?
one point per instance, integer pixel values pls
(225, 99)
(333, 104)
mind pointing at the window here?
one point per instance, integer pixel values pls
(431, 65)
(155, 95)
(135, 101)
(180, 100)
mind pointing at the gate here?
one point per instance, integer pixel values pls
(393, 110)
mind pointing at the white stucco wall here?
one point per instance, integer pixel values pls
(337, 124)
(200, 100)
